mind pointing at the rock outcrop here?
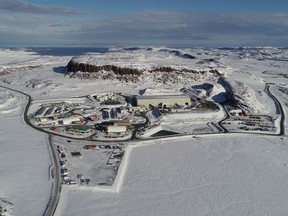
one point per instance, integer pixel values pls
(140, 65)
(75, 67)
(83, 67)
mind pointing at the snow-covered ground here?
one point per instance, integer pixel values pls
(207, 175)
(25, 160)
(11, 103)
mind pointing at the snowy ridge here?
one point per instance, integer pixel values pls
(241, 95)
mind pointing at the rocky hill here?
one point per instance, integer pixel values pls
(74, 66)
(135, 65)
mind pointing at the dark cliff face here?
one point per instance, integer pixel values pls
(83, 67)
(74, 67)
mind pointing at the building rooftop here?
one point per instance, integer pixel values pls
(161, 96)
(78, 127)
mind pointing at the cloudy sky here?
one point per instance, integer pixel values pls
(175, 23)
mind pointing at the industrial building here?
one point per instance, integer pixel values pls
(78, 129)
(110, 113)
(116, 129)
(78, 120)
(49, 111)
(40, 111)
(164, 100)
(122, 122)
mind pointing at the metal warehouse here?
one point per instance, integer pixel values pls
(168, 100)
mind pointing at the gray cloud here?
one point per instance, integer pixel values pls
(168, 28)
(191, 28)
(25, 7)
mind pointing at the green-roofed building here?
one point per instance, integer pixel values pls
(79, 129)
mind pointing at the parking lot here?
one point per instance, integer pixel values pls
(251, 123)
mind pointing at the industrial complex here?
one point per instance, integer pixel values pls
(116, 117)
(98, 126)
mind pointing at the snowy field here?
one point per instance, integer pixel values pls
(205, 176)
(25, 161)
(11, 103)
(224, 174)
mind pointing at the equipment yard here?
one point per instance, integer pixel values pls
(87, 164)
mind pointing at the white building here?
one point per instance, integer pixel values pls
(69, 120)
(168, 100)
(112, 129)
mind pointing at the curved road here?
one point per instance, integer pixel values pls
(279, 108)
(55, 196)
